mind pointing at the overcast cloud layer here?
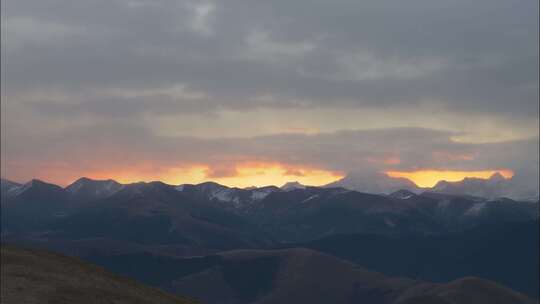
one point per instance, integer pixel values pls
(338, 85)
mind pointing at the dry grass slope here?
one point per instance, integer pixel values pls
(468, 290)
(32, 276)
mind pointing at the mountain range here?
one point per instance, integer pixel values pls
(494, 187)
(231, 245)
(210, 215)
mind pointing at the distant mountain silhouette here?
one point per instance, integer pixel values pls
(374, 182)
(494, 187)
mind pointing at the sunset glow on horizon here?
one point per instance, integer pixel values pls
(262, 174)
(429, 178)
(244, 174)
(241, 175)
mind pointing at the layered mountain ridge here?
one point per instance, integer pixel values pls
(378, 183)
(156, 231)
(225, 213)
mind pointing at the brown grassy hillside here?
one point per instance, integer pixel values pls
(32, 276)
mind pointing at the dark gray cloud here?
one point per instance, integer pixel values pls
(470, 56)
(126, 81)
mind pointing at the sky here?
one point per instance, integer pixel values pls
(264, 92)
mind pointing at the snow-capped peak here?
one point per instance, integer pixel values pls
(496, 178)
(8, 187)
(402, 194)
(292, 186)
(94, 188)
(260, 194)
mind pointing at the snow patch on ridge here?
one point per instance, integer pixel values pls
(476, 209)
(309, 198)
(258, 195)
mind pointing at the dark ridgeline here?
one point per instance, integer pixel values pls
(503, 252)
(147, 230)
(294, 276)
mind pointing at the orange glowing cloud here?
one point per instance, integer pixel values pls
(429, 178)
(263, 174)
(174, 175)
